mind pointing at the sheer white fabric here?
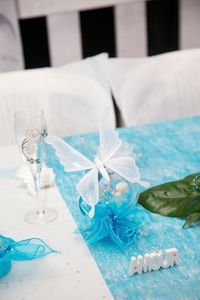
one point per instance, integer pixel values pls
(72, 160)
(158, 88)
(109, 140)
(71, 96)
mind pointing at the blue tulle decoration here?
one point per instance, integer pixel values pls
(28, 249)
(117, 218)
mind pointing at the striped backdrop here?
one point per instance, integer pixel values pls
(49, 33)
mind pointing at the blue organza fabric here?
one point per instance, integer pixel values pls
(122, 225)
(117, 218)
(28, 249)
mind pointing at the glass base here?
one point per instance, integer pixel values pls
(34, 216)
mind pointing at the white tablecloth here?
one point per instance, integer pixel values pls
(71, 275)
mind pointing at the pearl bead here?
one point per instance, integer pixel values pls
(117, 194)
(121, 187)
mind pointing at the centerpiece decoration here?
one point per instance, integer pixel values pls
(109, 187)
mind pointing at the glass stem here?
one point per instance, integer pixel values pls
(39, 199)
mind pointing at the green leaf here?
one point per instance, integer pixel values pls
(191, 219)
(174, 199)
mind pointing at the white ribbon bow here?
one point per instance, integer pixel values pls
(110, 158)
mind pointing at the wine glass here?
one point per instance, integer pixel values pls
(30, 131)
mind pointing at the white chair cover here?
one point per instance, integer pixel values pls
(71, 96)
(158, 88)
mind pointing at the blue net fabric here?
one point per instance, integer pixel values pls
(28, 249)
(164, 152)
(122, 226)
(117, 217)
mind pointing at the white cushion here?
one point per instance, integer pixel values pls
(157, 88)
(72, 97)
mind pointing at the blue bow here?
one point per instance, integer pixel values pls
(120, 221)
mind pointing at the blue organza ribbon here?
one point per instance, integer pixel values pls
(28, 249)
(25, 250)
(120, 221)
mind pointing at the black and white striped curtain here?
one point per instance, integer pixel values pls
(55, 33)
(98, 32)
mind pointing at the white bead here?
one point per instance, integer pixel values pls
(117, 194)
(121, 187)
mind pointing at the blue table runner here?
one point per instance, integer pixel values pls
(164, 152)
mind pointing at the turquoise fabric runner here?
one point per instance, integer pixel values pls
(164, 152)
